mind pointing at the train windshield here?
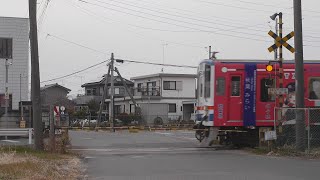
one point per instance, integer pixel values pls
(207, 79)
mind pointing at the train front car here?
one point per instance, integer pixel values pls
(205, 100)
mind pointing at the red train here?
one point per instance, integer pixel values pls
(233, 94)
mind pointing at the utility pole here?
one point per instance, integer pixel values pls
(35, 77)
(210, 52)
(111, 117)
(105, 92)
(51, 131)
(299, 69)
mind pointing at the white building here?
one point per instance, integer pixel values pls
(16, 29)
(168, 96)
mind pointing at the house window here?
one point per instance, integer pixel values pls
(94, 91)
(221, 86)
(116, 91)
(139, 87)
(151, 88)
(169, 85)
(207, 78)
(314, 88)
(172, 108)
(266, 83)
(117, 109)
(235, 86)
(132, 108)
(89, 92)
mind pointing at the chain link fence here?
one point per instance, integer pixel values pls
(286, 124)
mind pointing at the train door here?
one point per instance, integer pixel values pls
(235, 98)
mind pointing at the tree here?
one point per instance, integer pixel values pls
(80, 114)
(93, 107)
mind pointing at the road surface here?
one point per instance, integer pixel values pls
(177, 156)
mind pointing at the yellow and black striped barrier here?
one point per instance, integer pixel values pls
(134, 129)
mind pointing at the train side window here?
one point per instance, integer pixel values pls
(314, 88)
(266, 83)
(235, 86)
(221, 86)
(207, 79)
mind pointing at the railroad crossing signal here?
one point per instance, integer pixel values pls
(269, 68)
(281, 42)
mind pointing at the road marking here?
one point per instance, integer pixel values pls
(125, 150)
(177, 135)
(11, 141)
(137, 157)
(128, 150)
(163, 133)
(89, 157)
(87, 138)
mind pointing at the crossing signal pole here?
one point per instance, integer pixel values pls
(280, 59)
(280, 41)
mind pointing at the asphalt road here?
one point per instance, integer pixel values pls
(177, 156)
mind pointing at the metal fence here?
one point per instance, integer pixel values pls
(133, 120)
(15, 121)
(286, 122)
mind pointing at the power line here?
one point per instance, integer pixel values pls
(179, 16)
(251, 9)
(77, 72)
(43, 13)
(77, 44)
(131, 61)
(246, 25)
(262, 4)
(166, 22)
(164, 11)
(156, 4)
(158, 64)
(233, 6)
(103, 19)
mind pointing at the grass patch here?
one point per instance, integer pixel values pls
(24, 150)
(20, 162)
(286, 151)
(17, 170)
(259, 151)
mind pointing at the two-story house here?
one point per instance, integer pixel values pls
(165, 96)
(94, 92)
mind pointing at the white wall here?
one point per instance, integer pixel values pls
(188, 87)
(186, 91)
(18, 30)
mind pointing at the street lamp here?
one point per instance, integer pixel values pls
(7, 97)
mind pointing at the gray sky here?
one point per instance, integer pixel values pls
(144, 30)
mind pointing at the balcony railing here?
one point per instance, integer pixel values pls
(147, 91)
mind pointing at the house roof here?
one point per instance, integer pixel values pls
(54, 85)
(164, 75)
(117, 80)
